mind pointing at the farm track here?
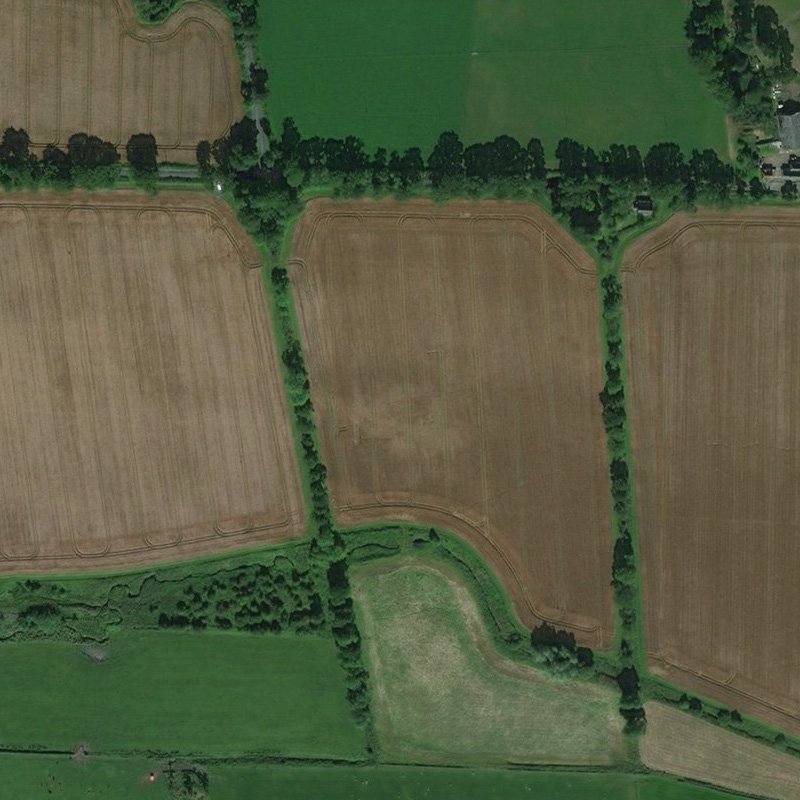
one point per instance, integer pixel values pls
(713, 346)
(88, 66)
(142, 415)
(425, 377)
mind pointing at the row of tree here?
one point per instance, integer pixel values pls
(744, 50)
(623, 568)
(88, 161)
(327, 549)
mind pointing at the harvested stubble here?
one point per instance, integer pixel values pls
(680, 744)
(141, 414)
(455, 366)
(87, 66)
(713, 339)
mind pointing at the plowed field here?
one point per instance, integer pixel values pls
(141, 410)
(72, 66)
(455, 366)
(712, 313)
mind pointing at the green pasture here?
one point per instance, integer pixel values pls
(412, 783)
(24, 776)
(175, 692)
(43, 777)
(442, 693)
(398, 74)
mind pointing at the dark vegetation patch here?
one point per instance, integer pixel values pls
(277, 595)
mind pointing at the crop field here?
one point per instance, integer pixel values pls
(455, 366)
(441, 691)
(219, 694)
(713, 339)
(680, 744)
(142, 416)
(398, 74)
(86, 66)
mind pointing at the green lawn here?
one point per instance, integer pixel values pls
(398, 74)
(212, 693)
(443, 695)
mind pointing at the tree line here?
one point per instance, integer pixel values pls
(88, 162)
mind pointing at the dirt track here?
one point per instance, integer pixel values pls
(75, 66)
(142, 416)
(455, 366)
(712, 313)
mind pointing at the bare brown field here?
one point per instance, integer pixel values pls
(455, 366)
(142, 415)
(677, 743)
(712, 317)
(73, 66)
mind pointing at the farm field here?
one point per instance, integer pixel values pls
(713, 343)
(87, 66)
(142, 416)
(221, 694)
(455, 365)
(379, 70)
(441, 692)
(677, 743)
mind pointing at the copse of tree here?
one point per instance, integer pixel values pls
(744, 50)
(559, 648)
(238, 151)
(93, 161)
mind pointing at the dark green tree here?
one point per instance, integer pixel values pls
(142, 153)
(446, 161)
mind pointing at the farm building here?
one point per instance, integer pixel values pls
(643, 205)
(789, 124)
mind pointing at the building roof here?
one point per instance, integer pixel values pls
(789, 108)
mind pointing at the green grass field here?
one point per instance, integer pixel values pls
(29, 777)
(212, 693)
(441, 693)
(412, 783)
(40, 777)
(398, 74)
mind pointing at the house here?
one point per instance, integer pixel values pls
(643, 206)
(789, 124)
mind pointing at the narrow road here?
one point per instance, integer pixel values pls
(256, 112)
